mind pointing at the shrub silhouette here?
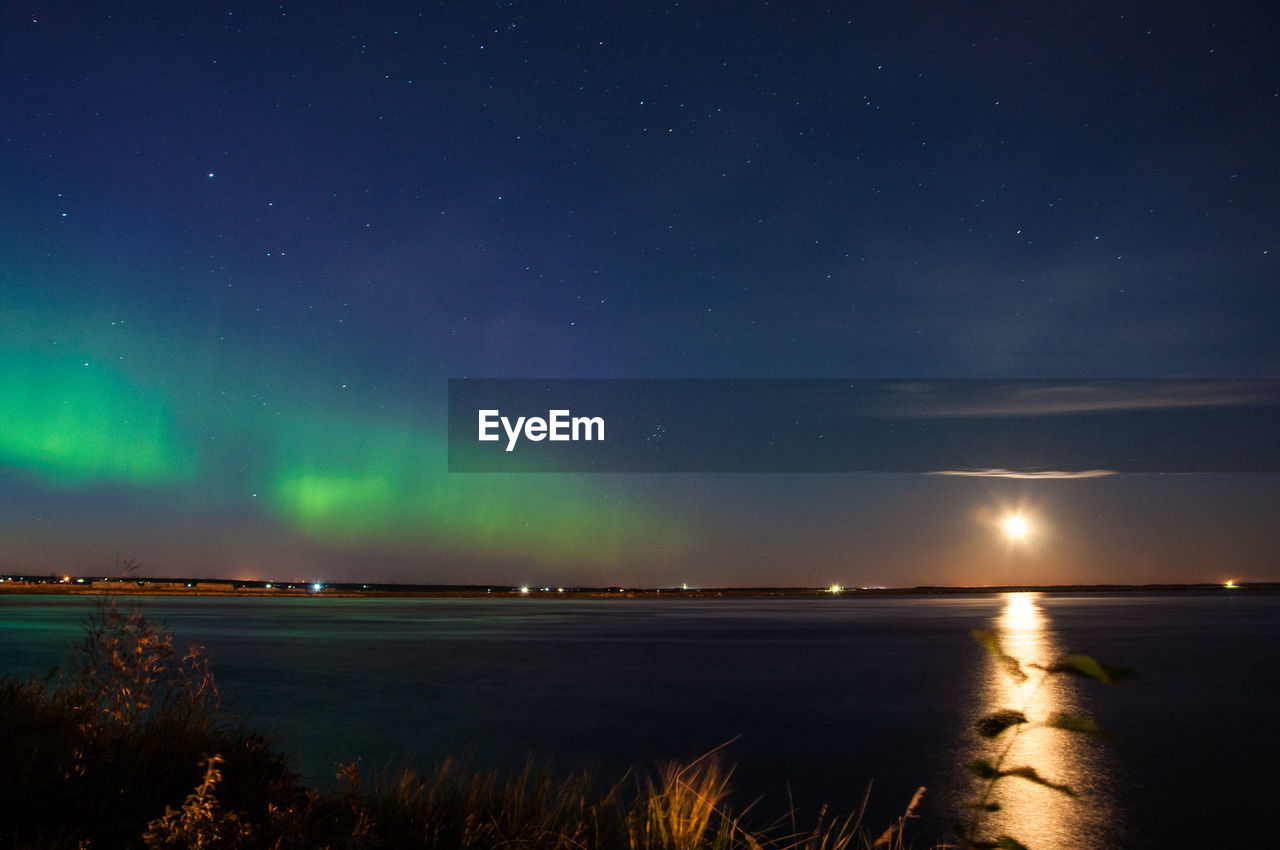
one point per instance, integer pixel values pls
(96, 751)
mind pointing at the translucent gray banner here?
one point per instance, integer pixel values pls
(960, 427)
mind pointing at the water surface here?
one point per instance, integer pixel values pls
(818, 696)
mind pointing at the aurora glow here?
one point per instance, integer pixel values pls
(348, 481)
(69, 421)
(343, 481)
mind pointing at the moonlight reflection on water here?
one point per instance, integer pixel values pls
(1034, 814)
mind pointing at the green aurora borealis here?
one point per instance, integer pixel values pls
(120, 411)
(70, 421)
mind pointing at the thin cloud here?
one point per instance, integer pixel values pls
(1045, 398)
(1009, 473)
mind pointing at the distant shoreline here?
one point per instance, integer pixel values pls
(165, 587)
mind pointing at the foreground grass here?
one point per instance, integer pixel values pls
(129, 746)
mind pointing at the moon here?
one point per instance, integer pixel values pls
(1016, 527)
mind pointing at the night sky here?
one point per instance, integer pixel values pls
(244, 246)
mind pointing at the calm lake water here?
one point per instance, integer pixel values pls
(818, 696)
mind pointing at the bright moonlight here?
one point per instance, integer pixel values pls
(1015, 525)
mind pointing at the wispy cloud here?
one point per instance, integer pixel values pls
(1048, 398)
(1009, 473)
